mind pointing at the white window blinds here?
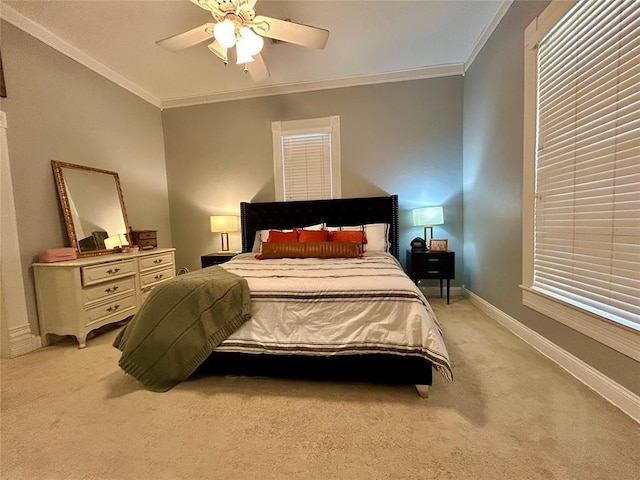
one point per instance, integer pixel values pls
(306, 159)
(587, 210)
(307, 166)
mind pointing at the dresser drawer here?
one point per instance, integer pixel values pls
(147, 243)
(99, 273)
(433, 266)
(106, 310)
(108, 289)
(156, 276)
(154, 261)
(147, 234)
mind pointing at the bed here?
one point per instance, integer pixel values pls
(346, 319)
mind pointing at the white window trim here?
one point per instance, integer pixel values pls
(313, 125)
(619, 337)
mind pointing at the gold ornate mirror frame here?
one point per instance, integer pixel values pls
(93, 208)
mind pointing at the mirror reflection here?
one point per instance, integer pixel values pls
(93, 208)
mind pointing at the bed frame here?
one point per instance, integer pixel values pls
(374, 368)
(345, 211)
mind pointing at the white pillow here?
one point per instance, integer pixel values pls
(319, 226)
(377, 235)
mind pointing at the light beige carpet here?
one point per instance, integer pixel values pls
(509, 414)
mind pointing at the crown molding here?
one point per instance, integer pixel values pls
(283, 89)
(488, 31)
(38, 31)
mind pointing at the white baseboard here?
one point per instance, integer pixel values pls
(22, 341)
(435, 291)
(613, 392)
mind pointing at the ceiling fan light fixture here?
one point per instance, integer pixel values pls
(242, 52)
(253, 41)
(219, 50)
(225, 33)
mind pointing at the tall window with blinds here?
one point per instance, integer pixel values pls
(587, 168)
(306, 159)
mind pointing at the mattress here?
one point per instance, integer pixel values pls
(339, 306)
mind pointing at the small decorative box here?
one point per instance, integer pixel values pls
(145, 239)
(51, 255)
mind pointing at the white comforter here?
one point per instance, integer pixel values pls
(314, 306)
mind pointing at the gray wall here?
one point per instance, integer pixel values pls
(400, 138)
(493, 126)
(59, 110)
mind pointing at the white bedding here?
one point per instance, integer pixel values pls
(314, 306)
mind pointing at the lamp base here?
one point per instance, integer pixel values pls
(224, 240)
(427, 239)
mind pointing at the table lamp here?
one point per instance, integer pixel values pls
(427, 217)
(224, 224)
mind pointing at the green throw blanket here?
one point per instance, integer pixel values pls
(180, 323)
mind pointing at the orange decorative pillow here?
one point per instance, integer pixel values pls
(276, 236)
(349, 236)
(313, 236)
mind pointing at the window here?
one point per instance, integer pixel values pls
(582, 169)
(306, 159)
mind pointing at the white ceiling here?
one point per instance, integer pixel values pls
(371, 41)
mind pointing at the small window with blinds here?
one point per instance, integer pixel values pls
(586, 192)
(307, 159)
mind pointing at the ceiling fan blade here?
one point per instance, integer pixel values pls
(247, 6)
(257, 69)
(290, 32)
(187, 39)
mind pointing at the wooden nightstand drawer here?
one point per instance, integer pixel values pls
(427, 263)
(424, 264)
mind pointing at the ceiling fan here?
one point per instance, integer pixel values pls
(237, 25)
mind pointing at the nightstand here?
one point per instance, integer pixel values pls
(423, 264)
(217, 258)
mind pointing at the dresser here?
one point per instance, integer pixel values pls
(424, 264)
(78, 296)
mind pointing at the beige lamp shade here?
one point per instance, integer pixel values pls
(428, 216)
(224, 223)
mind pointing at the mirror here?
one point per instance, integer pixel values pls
(93, 208)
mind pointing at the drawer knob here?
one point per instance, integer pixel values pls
(158, 277)
(157, 260)
(111, 271)
(114, 308)
(111, 290)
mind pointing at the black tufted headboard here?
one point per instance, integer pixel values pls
(344, 211)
